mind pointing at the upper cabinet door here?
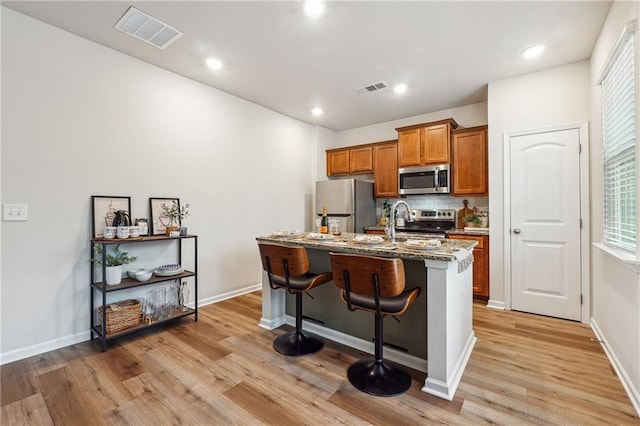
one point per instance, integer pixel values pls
(409, 147)
(426, 143)
(361, 160)
(385, 170)
(469, 166)
(435, 144)
(337, 162)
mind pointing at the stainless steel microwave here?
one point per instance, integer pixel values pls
(424, 180)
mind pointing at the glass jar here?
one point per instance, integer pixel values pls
(143, 223)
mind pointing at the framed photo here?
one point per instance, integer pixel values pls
(159, 221)
(103, 210)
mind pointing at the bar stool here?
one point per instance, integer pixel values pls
(374, 284)
(288, 268)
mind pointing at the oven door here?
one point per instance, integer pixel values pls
(424, 180)
(422, 229)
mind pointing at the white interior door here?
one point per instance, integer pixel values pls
(545, 223)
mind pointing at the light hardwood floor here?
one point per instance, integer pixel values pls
(525, 369)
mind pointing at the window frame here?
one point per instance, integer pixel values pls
(629, 32)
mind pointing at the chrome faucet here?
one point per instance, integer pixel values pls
(392, 218)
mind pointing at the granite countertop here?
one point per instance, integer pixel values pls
(346, 243)
(479, 231)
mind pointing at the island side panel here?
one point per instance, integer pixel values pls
(273, 306)
(450, 332)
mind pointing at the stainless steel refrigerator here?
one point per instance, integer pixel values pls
(350, 200)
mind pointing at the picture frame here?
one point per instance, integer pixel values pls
(103, 208)
(158, 222)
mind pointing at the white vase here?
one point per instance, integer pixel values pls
(113, 274)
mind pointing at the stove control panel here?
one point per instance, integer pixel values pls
(436, 214)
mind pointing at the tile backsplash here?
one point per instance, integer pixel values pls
(436, 202)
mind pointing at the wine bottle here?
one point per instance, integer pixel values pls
(324, 223)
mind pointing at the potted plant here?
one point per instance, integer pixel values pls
(113, 262)
(175, 214)
(384, 218)
(472, 220)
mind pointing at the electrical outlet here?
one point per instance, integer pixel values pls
(14, 212)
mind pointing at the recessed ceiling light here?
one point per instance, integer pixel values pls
(314, 8)
(317, 111)
(214, 64)
(533, 51)
(400, 88)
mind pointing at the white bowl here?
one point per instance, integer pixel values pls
(132, 272)
(144, 275)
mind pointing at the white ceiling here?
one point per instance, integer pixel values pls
(446, 52)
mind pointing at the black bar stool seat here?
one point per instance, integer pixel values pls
(374, 284)
(288, 268)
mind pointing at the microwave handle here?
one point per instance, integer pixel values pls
(436, 180)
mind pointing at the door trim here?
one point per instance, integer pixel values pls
(585, 231)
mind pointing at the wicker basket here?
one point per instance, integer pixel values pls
(121, 315)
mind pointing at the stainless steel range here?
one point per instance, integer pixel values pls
(433, 223)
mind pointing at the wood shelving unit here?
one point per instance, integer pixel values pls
(97, 330)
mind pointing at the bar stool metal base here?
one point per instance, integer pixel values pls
(380, 379)
(294, 344)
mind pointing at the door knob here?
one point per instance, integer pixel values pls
(516, 230)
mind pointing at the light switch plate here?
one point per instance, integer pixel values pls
(14, 212)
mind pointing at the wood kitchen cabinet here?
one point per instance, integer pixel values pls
(349, 160)
(361, 160)
(426, 143)
(480, 264)
(385, 170)
(469, 166)
(337, 162)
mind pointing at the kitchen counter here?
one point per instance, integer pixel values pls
(479, 231)
(434, 335)
(345, 243)
(469, 232)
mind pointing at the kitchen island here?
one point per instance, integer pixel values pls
(435, 335)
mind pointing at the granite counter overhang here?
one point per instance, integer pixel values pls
(416, 234)
(344, 243)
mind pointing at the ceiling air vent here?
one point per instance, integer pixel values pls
(370, 88)
(148, 29)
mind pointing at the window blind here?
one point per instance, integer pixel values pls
(619, 146)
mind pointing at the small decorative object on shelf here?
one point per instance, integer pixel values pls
(143, 223)
(175, 214)
(167, 216)
(103, 212)
(183, 298)
(113, 262)
(121, 315)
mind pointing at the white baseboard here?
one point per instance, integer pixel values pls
(229, 295)
(495, 304)
(40, 348)
(51, 345)
(391, 354)
(632, 392)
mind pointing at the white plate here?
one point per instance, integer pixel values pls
(168, 272)
(423, 244)
(318, 236)
(368, 239)
(286, 234)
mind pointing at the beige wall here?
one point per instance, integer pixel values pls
(79, 119)
(546, 98)
(615, 284)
